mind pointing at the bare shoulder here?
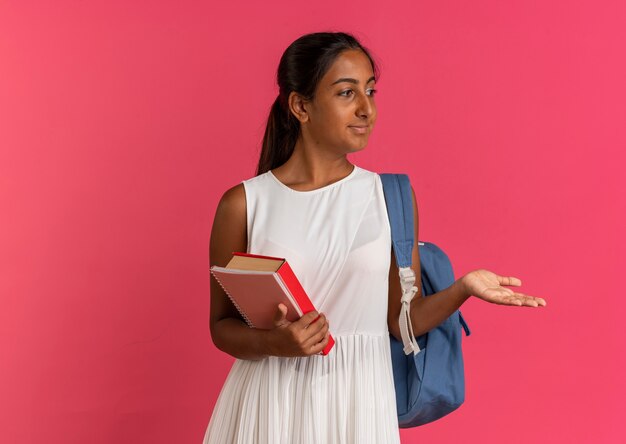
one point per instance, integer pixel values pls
(233, 200)
(229, 232)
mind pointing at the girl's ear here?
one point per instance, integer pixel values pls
(297, 106)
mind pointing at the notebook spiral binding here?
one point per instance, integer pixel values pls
(243, 315)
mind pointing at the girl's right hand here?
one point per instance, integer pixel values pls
(305, 337)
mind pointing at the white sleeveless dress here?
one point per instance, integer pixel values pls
(337, 240)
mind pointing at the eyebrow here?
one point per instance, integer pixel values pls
(350, 80)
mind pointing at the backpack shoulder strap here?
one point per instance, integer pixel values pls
(398, 198)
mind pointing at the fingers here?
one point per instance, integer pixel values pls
(531, 301)
(520, 299)
(510, 281)
(280, 317)
(307, 318)
(317, 348)
(304, 337)
(320, 334)
(315, 330)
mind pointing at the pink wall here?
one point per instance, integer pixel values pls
(121, 123)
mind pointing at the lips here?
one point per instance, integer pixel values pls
(360, 129)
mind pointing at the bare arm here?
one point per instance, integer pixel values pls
(428, 312)
(228, 330)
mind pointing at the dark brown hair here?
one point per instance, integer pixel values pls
(301, 67)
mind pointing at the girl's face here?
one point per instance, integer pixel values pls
(342, 114)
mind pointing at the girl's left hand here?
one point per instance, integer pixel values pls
(488, 286)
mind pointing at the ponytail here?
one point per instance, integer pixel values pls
(280, 137)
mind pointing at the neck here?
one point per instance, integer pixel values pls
(313, 167)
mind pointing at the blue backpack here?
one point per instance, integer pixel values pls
(427, 371)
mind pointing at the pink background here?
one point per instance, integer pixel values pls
(121, 124)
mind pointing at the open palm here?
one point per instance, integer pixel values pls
(488, 286)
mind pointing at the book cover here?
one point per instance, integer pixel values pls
(258, 290)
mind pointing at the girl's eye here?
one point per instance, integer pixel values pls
(349, 92)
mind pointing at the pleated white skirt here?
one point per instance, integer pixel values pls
(345, 397)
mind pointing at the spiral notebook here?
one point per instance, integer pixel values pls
(256, 284)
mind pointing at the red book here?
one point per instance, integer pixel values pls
(256, 284)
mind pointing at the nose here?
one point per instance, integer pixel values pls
(365, 107)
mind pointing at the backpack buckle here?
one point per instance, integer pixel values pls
(407, 296)
(407, 279)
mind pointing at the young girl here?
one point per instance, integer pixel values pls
(328, 218)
